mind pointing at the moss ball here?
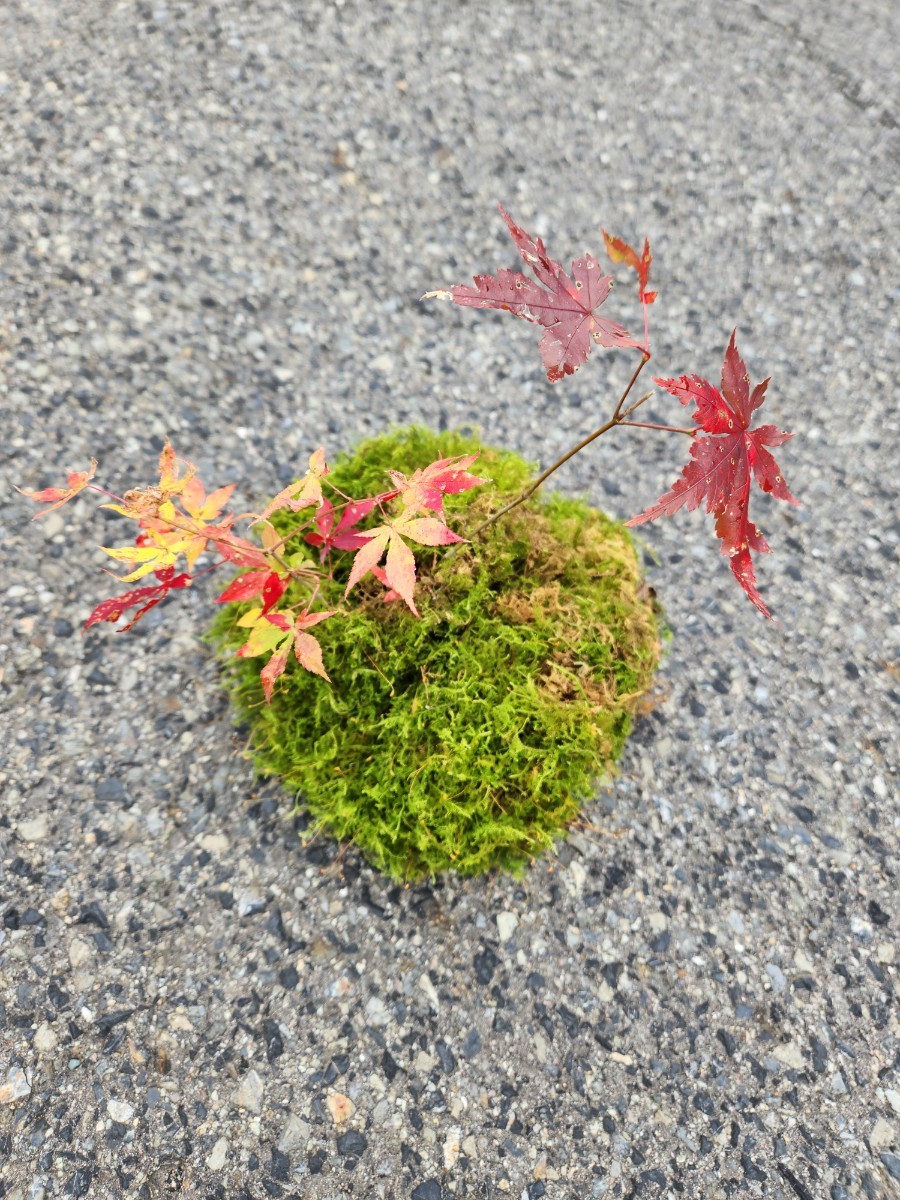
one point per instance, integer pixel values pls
(466, 739)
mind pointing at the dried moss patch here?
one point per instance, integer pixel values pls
(468, 739)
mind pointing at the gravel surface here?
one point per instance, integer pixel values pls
(217, 222)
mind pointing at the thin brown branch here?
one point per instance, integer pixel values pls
(645, 358)
(637, 404)
(615, 419)
(653, 425)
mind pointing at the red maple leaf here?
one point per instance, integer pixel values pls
(566, 305)
(237, 550)
(111, 610)
(724, 464)
(269, 585)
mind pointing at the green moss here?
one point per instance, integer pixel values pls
(467, 739)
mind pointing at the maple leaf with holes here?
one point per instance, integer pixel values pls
(170, 483)
(279, 633)
(620, 252)
(302, 492)
(56, 497)
(400, 564)
(725, 463)
(427, 486)
(566, 305)
(111, 610)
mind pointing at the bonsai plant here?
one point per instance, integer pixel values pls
(477, 694)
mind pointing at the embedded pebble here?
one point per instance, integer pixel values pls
(341, 1108)
(35, 829)
(777, 976)
(45, 1038)
(120, 1110)
(294, 1136)
(218, 1156)
(507, 924)
(790, 1055)
(249, 1093)
(80, 952)
(882, 1134)
(215, 843)
(15, 1087)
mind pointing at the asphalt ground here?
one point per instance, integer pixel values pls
(217, 223)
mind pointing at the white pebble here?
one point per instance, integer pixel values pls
(249, 1093)
(34, 830)
(507, 924)
(216, 1159)
(120, 1110)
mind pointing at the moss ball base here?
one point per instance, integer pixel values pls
(469, 738)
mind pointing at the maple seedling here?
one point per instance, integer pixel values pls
(723, 464)
(178, 521)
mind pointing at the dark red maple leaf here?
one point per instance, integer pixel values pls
(111, 610)
(724, 464)
(566, 305)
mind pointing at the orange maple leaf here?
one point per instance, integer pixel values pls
(55, 497)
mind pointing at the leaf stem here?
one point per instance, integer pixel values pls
(94, 487)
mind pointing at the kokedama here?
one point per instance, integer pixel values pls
(460, 709)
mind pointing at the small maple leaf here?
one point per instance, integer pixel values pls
(400, 564)
(269, 585)
(724, 464)
(152, 552)
(566, 305)
(278, 634)
(200, 509)
(155, 502)
(341, 535)
(111, 610)
(169, 482)
(390, 593)
(302, 492)
(77, 481)
(203, 507)
(426, 487)
(620, 252)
